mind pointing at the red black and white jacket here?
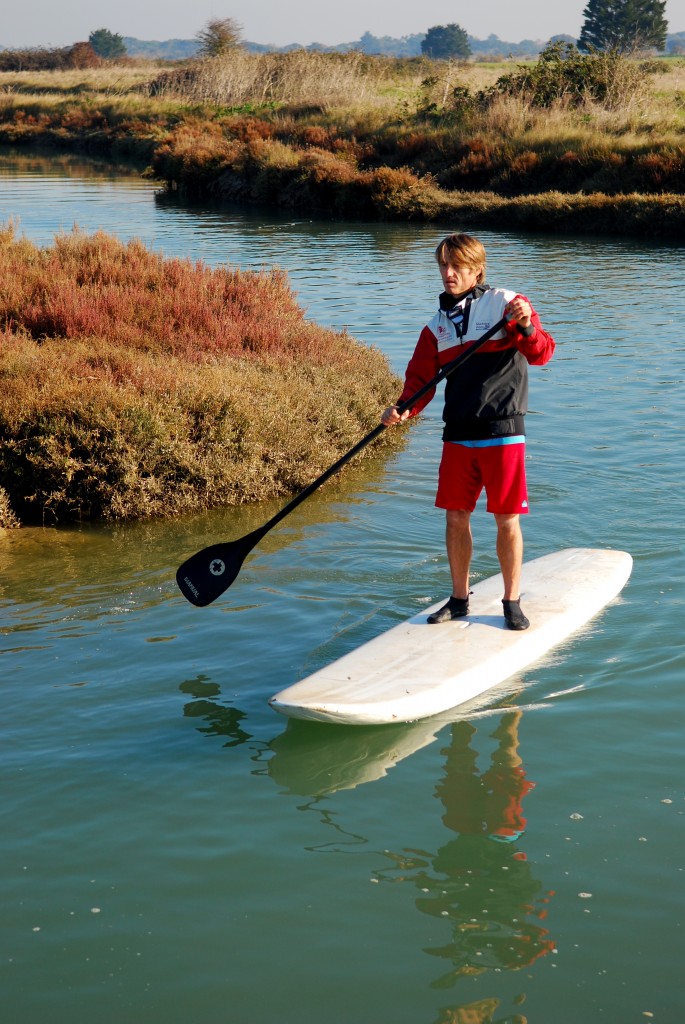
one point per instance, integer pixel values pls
(488, 396)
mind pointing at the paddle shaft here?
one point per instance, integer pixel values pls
(208, 573)
(444, 372)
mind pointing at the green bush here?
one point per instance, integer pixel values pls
(563, 73)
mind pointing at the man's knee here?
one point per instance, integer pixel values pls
(458, 520)
(508, 523)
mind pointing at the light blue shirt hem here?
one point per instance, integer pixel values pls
(493, 442)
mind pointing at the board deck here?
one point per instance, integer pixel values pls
(416, 670)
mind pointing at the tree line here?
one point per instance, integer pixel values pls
(623, 26)
(101, 45)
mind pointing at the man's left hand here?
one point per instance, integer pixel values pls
(519, 310)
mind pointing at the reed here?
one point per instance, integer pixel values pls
(296, 78)
(136, 386)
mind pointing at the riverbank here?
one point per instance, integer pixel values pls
(374, 138)
(136, 386)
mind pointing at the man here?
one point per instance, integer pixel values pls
(485, 405)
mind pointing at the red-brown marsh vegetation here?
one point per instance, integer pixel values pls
(134, 385)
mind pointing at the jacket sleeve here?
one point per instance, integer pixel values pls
(537, 347)
(423, 365)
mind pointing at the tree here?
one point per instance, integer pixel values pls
(406, 46)
(562, 72)
(107, 44)
(219, 36)
(562, 38)
(624, 25)
(445, 41)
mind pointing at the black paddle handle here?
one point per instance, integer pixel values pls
(444, 372)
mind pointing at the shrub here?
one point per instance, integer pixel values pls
(399, 193)
(80, 55)
(134, 386)
(193, 154)
(563, 73)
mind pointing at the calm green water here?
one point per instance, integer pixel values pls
(175, 852)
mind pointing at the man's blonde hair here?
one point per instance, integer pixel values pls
(463, 250)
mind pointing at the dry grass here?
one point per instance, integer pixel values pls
(297, 78)
(108, 80)
(136, 386)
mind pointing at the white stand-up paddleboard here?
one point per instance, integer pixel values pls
(415, 670)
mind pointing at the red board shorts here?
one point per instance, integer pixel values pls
(468, 467)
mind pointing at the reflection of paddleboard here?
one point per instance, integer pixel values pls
(316, 759)
(416, 670)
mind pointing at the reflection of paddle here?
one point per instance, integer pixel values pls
(207, 574)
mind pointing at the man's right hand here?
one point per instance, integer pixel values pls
(391, 416)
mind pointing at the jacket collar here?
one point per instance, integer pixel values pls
(448, 301)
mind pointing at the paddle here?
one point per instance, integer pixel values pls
(207, 574)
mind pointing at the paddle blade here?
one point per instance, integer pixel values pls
(207, 574)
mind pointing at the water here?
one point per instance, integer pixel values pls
(173, 851)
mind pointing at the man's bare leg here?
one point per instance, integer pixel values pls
(510, 555)
(459, 550)
(459, 541)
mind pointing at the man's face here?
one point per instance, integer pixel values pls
(456, 278)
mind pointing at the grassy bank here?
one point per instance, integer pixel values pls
(137, 386)
(354, 136)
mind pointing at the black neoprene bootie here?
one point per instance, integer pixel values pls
(456, 608)
(513, 616)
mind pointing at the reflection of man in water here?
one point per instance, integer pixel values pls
(487, 805)
(480, 881)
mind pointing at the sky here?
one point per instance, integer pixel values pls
(62, 22)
